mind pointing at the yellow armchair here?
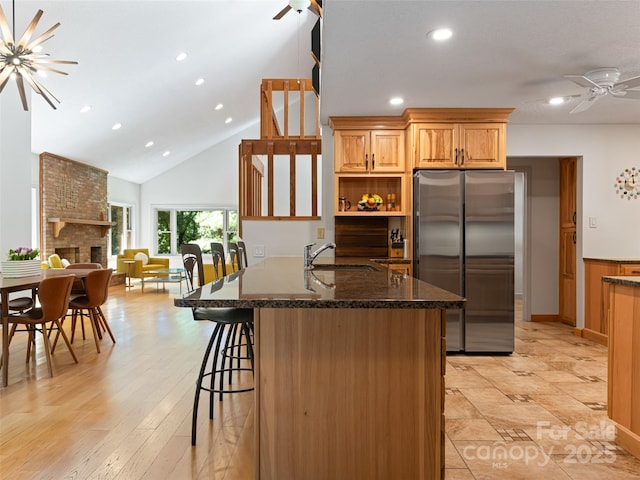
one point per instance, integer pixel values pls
(138, 269)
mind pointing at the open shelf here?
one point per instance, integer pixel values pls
(352, 187)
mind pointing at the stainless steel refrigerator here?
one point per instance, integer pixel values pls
(464, 242)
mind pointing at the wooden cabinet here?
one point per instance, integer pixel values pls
(567, 239)
(624, 364)
(369, 151)
(596, 294)
(460, 145)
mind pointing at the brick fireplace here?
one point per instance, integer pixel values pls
(73, 205)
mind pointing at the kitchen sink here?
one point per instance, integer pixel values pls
(345, 266)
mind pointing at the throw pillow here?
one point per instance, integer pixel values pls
(142, 257)
(65, 263)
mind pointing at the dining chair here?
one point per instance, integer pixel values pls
(222, 342)
(96, 285)
(78, 285)
(53, 295)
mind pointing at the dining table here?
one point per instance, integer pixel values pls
(10, 285)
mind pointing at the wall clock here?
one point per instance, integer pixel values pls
(628, 183)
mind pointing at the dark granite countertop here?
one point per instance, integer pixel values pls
(282, 282)
(614, 260)
(634, 281)
(398, 260)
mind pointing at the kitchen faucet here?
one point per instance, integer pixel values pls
(310, 257)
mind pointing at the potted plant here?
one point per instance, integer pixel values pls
(21, 262)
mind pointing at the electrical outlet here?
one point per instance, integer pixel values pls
(258, 251)
(320, 233)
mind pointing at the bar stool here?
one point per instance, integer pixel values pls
(234, 255)
(222, 341)
(217, 250)
(242, 248)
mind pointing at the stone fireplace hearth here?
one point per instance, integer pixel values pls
(73, 205)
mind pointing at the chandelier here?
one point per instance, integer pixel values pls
(22, 60)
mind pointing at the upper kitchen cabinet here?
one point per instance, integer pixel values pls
(362, 148)
(458, 138)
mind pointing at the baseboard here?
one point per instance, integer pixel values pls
(577, 332)
(551, 317)
(594, 336)
(628, 440)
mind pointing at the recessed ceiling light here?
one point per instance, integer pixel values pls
(228, 120)
(440, 34)
(116, 126)
(166, 154)
(85, 109)
(556, 101)
(199, 81)
(396, 101)
(149, 144)
(219, 106)
(181, 56)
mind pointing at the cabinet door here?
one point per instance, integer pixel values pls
(387, 151)
(436, 146)
(352, 151)
(483, 146)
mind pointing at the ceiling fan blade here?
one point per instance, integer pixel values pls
(582, 81)
(282, 12)
(26, 36)
(4, 27)
(584, 105)
(628, 83)
(316, 7)
(631, 94)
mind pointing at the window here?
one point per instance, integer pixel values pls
(202, 226)
(121, 230)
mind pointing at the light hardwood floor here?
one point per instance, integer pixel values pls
(126, 413)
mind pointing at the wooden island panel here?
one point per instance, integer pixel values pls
(349, 393)
(624, 361)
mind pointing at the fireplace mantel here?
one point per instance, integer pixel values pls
(60, 222)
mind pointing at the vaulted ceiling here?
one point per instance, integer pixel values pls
(502, 54)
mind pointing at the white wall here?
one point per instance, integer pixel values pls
(16, 173)
(209, 178)
(543, 189)
(605, 150)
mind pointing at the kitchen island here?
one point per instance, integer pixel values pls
(624, 359)
(349, 371)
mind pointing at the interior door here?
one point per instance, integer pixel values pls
(567, 242)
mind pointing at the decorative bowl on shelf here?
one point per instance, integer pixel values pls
(370, 202)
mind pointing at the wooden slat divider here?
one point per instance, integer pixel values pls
(270, 175)
(292, 180)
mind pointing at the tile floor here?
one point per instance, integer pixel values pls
(540, 413)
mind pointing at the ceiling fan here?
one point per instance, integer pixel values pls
(602, 82)
(298, 5)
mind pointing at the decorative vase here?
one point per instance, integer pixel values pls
(21, 268)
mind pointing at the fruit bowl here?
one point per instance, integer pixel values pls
(370, 202)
